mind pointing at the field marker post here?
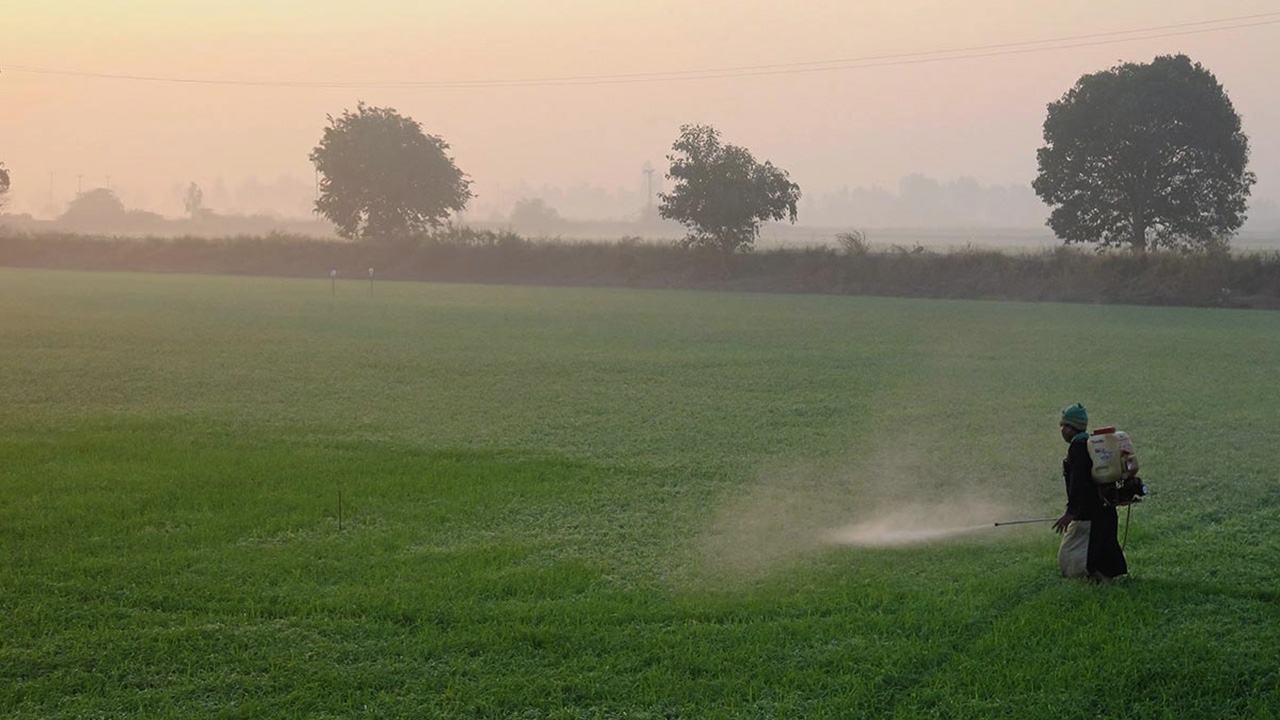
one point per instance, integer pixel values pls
(333, 282)
(370, 281)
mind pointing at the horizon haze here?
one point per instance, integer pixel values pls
(536, 98)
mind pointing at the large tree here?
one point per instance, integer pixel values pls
(721, 193)
(382, 177)
(1146, 156)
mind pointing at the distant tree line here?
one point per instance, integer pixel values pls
(919, 201)
(100, 211)
(460, 254)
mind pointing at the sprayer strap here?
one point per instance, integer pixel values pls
(1127, 514)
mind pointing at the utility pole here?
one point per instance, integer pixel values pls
(648, 177)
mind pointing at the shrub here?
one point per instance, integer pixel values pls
(853, 242)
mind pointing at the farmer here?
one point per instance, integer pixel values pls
(1089, 547)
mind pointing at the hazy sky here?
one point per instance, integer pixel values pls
(244, 85)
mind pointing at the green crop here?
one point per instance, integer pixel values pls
(579, 503)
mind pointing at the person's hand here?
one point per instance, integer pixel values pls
(1060, 525)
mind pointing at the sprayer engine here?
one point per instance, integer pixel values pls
(1130, 490)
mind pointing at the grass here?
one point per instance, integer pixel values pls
(608, 503)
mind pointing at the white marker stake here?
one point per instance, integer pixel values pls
(333, 282)
(370, 281)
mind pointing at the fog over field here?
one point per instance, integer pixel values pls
(914, 114)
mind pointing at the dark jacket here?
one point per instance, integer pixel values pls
(1083, 500)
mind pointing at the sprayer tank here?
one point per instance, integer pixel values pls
(1113, 457)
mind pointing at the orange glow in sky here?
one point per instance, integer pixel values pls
(242, 88)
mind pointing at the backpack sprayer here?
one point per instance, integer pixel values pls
(1115, 473)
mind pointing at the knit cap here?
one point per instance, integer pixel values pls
(1075, 416)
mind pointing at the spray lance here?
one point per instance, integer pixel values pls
(1024, 522)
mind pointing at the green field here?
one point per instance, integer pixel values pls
(230, 497)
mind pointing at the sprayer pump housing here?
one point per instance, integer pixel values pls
(1131, 490)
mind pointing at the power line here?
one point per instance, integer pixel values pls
(912, 58)
(879, 60)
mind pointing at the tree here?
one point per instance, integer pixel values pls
(193, 201)
(1145, 155)
(721, 194)
(4, 184)
(534, 214)
(97, 208)
(382, 177)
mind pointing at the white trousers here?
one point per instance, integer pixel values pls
(1073, 553)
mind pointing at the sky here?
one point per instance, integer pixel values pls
(145, 96)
